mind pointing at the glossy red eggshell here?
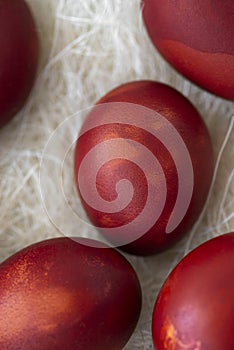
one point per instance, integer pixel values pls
(176, 109)
(196, 38)
(62, 295)
(194, 309)
(19, 51)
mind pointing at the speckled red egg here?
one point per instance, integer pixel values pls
(18, 56)
(196, 38)
(62, 294)
(195, 307)
(143, 166)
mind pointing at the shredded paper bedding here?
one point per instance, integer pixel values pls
(89, 47)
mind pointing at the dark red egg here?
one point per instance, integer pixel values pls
(63, 294)
(195, 307)
(143, 166)
(19, 50)
(196, 38)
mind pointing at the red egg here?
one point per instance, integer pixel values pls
(18, 56)
(195, 307)
(196, 38)
(62, 294)
(143, 166)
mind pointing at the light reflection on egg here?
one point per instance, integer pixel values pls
(196, 38)
(63, 294)
(194, 309)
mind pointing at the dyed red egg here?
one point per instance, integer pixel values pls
(63, 294)
(18, 56)
(143, 166)
(195, 307)
(196, 38)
